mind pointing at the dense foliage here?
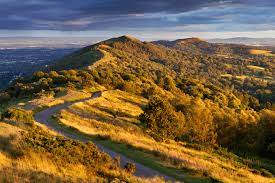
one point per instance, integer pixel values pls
(204, 122)
(161, 120)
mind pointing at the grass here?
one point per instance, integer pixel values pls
(256, 67)
(261, 52)
(48, 158)
(47, 101)
(226, 75)
(153, 162)
(137, 155)
(12, 102)
(241, 77)
(88, 118)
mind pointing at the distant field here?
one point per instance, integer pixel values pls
(261, 52)
(255, 67)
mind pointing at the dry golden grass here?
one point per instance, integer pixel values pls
(90, 118)
(50, 100)
(256, 67)
(261, 52)
(242, 77)
(4, 160)
(224, 55)
(227, 75)
(33, 166)
(114, 107)
(7, 130)
(32, 162)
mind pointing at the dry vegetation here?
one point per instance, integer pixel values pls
(34, 155)
(219, 101)
(51, 100)
(255, 67)
(261, 52)
(112, 116)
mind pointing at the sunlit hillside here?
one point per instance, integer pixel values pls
(152, 111)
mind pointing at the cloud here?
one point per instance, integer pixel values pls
(154, 15)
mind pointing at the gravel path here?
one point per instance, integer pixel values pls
(44, 117)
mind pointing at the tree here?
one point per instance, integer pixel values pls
(161, 120)
(169, 83)
(267, 124)
(199, 122)
(38, 75)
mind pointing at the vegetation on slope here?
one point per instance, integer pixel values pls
(208, 100)
(113, 117)
(31, 154)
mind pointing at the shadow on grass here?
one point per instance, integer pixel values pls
(13, 175)
(139, 155)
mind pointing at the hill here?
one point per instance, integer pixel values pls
(197, 45)
(246, 41)
(183, 108)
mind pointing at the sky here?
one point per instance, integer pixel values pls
(147, 19)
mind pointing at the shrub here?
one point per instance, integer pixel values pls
(169, 83)
(65, 150)
(161, 120)
(130, 167)
(19, 115)
(4, 97)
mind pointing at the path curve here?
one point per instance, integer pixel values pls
(44, 117)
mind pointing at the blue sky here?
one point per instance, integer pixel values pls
(155, 19)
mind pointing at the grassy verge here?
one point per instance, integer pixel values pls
(153, 162)
(137, 155)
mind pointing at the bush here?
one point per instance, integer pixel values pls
(64, 150)
(19, 115)
(161, 120)
(130, 167)
(4, 97)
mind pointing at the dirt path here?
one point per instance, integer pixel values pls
(44, 117)
(107, 57)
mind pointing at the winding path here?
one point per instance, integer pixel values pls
(44, 117)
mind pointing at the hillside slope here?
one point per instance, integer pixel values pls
(196, 45)
(191, 115)
(222, 65)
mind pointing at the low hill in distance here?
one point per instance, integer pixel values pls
(197, 45)
(246, 41)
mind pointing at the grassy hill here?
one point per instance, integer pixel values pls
(192, 110)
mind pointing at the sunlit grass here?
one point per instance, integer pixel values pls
(256, 67)
(87, 118)
(261, 52)
(34, 166)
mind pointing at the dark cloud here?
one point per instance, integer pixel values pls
(108, 14)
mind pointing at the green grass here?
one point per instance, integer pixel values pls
(77, 60)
